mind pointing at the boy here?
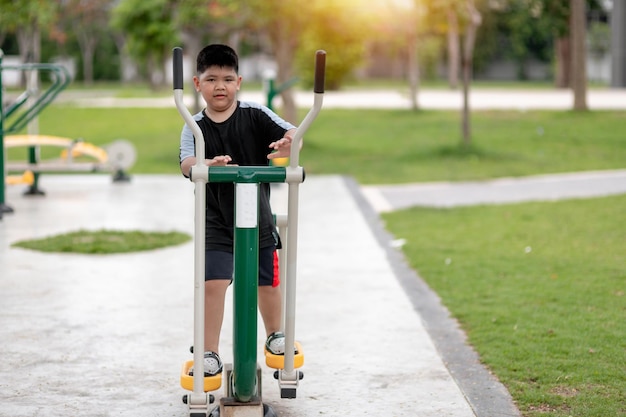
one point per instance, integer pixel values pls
(237, 133)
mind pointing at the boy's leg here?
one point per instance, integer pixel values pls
(270, 298)
(270, 307)
(214, 296)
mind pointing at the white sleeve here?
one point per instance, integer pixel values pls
(187, 143)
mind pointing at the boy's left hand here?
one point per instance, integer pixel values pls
(281, 148)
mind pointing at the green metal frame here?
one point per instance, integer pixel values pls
(273, 90)
(246, 269)
(247, 174)
(60, 79)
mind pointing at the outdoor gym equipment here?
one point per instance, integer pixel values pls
(243, 378)
(75, 155)
(272, 90)
(60, 79)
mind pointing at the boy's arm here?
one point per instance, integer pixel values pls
(186, 164)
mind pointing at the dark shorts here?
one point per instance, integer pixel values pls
(219, 265)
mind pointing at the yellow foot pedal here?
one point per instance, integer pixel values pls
(211, 383)
(278, 361)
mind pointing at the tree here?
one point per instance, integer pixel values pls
(558, 15)
(88, 20)
(473, 22)
(535, 25)
(340, 29)
(408, 25)
(27, 19)
(569, 22)
(578, 33)
(443, 18)
(199, 20)
(459, 16)
(150, 32)
(530, 31)
(283, 22)
(454, 49)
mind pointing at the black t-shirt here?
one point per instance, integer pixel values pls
(245, 136)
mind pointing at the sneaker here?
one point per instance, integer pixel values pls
(275, 344)
(212, 364)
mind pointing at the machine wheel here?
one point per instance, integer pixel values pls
(211, 399)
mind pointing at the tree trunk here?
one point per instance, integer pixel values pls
(454, 49)
(29, 43)
(193, 44)
(468, 55)
(152, 69)
(128, 67)
(88, 51)
(414, 71)
(284, 51)
(88, 66)
(563, 54)
(618, 45)
(578, 33)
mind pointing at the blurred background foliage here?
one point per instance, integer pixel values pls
(106, 38)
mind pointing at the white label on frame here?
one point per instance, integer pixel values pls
(246, 205)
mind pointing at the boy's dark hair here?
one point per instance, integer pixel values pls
(217, 55)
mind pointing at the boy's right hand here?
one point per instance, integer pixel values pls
(218, 161)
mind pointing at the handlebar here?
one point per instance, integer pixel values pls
(320, 71)
(177, 71)
(318, 89)
(178, 68)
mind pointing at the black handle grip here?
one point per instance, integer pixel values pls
(178, 68)
(320, 71)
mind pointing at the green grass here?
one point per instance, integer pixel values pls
(402, 146)
(103, 242)
(377, 146)
(402, 85)
(539, 289)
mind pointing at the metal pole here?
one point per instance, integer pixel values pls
(32, 85)
(2, 156)
(281, 222)
(246, 261)
(289, 373)
(198, 397)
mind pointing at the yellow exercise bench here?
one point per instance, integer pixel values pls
(27, 178)
(73, 148)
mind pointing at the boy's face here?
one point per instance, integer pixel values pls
(218, 87)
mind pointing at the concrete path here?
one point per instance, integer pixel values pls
(107, 335)
(480, 99)
(386, 198)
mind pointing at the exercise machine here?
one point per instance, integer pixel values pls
(242, 378)
(75, 155)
